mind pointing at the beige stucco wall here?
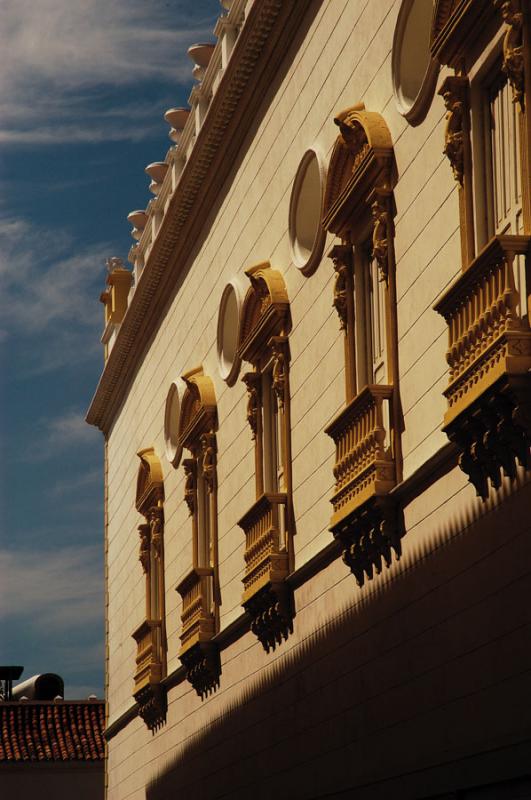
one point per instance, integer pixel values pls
(344, 57)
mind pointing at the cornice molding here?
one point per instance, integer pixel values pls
(260, 48)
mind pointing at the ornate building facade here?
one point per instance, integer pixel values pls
(316, 410)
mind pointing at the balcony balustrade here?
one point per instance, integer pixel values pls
(148, 692)
(198, 653)
(489, 358)
(363, 516)
(266, 596)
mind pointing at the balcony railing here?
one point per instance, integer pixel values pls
(266, 596)
(489, 356)
(364, 465)
(198, 622)
(148, 637)
(486, 333)
(266, 558)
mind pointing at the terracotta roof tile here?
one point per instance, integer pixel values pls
(52, 731)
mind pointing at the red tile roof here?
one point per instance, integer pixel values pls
(52, 730)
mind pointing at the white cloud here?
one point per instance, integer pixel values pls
(60, 589)
(69, 430)
(49, 290)
(52, 437)
(60, 54)
(68, 487)
(43, 283)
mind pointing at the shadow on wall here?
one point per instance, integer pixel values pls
(420, 690)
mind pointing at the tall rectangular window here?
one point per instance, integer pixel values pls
(370, 320)
(503, 169)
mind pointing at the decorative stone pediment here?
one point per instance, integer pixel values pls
(150, 484)
(362, 161)
(265, 311)
(198, 408)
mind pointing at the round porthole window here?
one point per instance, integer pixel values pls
(414, 70)
(171, 425)
(227, 339)
(306, 234)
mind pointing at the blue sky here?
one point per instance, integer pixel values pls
(83, 89)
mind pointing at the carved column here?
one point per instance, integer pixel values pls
(517, 66)
(254, 418)
(383, 250)
(342, 259)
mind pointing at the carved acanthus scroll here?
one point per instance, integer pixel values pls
(341, 255)
(454, 92)
(513, 46)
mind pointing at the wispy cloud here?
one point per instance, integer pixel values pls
(49, 292)
(69, 430)
(51, 610)
(51, 437)
(57, 60)
(61, 589)
(68, 487)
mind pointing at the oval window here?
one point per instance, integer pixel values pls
(171, 425)
(414, 70)
(227, 338)
(306, 234)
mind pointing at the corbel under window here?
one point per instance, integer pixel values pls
(268, 524)
(150, 636)
(359, 209)
(199, 589)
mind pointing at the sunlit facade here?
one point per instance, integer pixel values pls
(315, 404)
